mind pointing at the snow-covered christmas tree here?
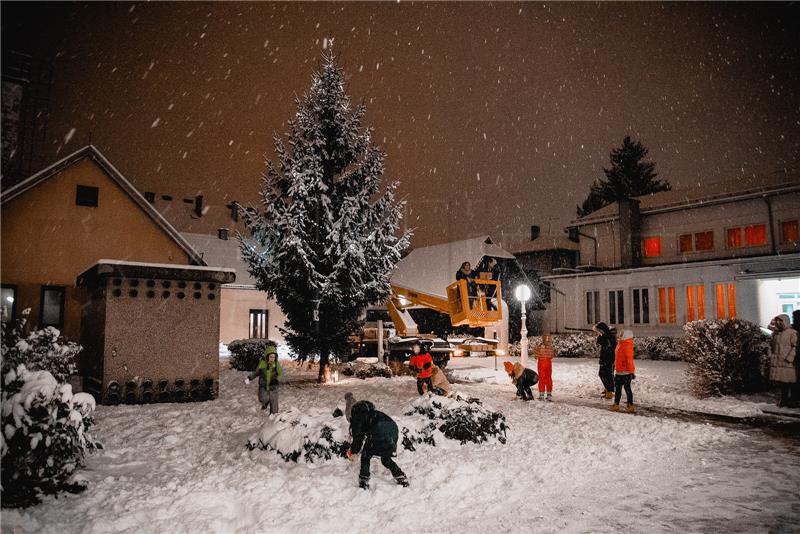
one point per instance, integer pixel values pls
(326, 239)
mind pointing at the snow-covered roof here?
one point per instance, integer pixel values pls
(704, 194)
(545, 242)
(105, 268)
(431, 269)
(222, 253)
(90, 151)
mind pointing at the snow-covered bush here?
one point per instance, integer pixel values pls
(566, 345)
(433, 420)
(245, 353)
(39, 350)
(44, 437)
(457, 418)
(657, 348)
(364, 368)
(725, 356)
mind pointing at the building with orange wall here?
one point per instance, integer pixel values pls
(61, 221)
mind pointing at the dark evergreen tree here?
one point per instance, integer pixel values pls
(326, 239)
(629, 176)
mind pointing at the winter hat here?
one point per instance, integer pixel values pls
(348, 396)
(270, 349)
(509, 367)
(626, 334)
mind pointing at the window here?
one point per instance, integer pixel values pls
(726, 301)
(592, 307)
(685, 243)
(755, 235)
(51, 311)
(8, 299)
(695, 303)
(651, 247)
(258, 324)
(698, 242)
(150, 197)
(790, 233)
(616, 307)
(86, 196)
(666, 305)
(641, 306)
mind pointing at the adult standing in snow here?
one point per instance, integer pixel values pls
(544, 364)
(378, 434)
(607, 339)
(624, 369)
(523, 378)
(422, 363)
(439, 383)
(270, 375)
(782, 349)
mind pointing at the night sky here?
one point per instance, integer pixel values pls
(494, 116)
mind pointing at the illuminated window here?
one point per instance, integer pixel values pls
(592, 307)
(651, 247)
(695, 303)
(726, 301)
(616, 307)
(734, 237)
(789, 232)
(258, 324)
(666, 305)
(641, 306)
(755, 235)
(8, 299)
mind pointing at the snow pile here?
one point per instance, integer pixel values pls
(308, 437)
(40, 350)
(456, 418)
(366, 368)
(44, 435)
(725, 356)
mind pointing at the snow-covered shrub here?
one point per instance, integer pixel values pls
(457, 418)
(44, 436)
(365, 368)
(566, 345)
(297, 436)
(657, 348)
(725, 356)
(39, 350)
(245, 353)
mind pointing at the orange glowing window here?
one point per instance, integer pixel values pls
(790, 233)
(726, 301)
(651, 247)
(755, 235)
(704, 241)
(695, 303)
(685, 243)
(666, 305)
(734, 237)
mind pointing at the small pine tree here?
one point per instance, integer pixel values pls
(326, 240)
(629, 176)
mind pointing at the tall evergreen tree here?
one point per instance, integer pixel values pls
(326, 239)
(629, 176)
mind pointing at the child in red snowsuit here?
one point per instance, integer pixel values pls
(422, 363)
(544, 363)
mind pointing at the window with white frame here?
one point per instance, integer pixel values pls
(592, 307)
(616, 307)
(641, 305)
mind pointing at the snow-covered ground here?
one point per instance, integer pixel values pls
(565, 468)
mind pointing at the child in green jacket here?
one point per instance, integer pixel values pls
(270, 374)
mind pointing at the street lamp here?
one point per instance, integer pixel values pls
(523, 294)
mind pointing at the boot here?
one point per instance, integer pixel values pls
(402, 480)
(630, 408)
(608, 394)
(549, 397)
(541, 396)
(363, 483)
(615, 407)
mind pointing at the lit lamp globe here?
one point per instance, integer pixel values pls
(523, 293)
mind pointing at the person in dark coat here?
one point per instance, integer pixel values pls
(374, 434)
(491, 292)
(466, 273)
(523, 378)
(607, 339)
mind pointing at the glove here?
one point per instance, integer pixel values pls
(246, 381)
(349, 454)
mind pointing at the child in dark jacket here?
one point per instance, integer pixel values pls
(377, 434)
(523, 378)
(607, 339)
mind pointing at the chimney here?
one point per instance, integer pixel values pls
(198, 205)
(535, 232)
(630, 235)
(222, 233)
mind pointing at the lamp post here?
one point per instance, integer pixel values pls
(523, 293)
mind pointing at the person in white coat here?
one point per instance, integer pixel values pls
(782, 352)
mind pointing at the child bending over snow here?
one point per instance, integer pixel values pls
(377, 433)
(523, 378)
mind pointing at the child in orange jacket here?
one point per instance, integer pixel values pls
(544, 364)
(624, 369)
(422, 363)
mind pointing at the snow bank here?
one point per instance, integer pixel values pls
(303, 436)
